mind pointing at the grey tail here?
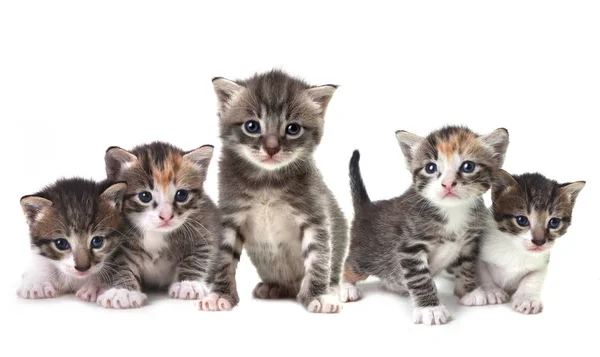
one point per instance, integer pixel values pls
(357, 186)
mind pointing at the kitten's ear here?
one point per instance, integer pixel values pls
(501, 181)
(114, 194)
(115, 158)
(226, 91)
(200, 158)
(408, 144)
(572, 189)
(33, 207)
(321, 95)
(498, 141)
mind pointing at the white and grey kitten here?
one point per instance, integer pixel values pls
(273, 198)
(530, 212)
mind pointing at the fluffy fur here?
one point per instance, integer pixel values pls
(515, 252)
(76, 228)
(436, 223)
(273, 198)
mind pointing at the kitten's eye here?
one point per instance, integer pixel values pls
(522, 221)
(181, 195)
(430, 168)
(97, 242)
(553, 223)
(293, 129)
(252, 126)
(62, 244)
(467, 167)
(145, 196)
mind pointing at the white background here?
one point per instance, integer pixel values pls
(77, 77)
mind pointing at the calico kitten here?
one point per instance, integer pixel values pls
(530, 213)
(436, 223)
(272, 196)
(174, 223)
(75, 227)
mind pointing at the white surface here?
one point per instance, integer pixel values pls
(77, 77)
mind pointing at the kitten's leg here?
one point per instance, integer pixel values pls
(274, 291)
(124, 290)
(40, 281)
(420, 285)
(224, 294)
(487, 293)
(190, 280)
(315, 293)
(396, 286)
(350, 292)
(466, 266)
(527, 299)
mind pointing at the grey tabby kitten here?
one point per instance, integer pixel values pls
(272, 196)
(437, 223)
(175, 225)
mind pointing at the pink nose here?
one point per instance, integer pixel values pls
(448, 184)
(166, 217)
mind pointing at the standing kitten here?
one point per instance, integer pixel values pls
(174, 223)
(75, 227)
(273, 198)
(436, 223)
(530, 213)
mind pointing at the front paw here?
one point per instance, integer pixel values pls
(432, 315)
(482, 296)
(527, 304)
(189, 290)
(217, 302)
(43, 290)
(121, 299)
(350, 292)
(89, 293)
(324, 304)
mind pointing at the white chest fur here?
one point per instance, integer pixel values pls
(272, 222)
(157, 269)
(457, 223)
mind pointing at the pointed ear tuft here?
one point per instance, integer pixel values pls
(408, 144)
(572, 189)
(114, 195)
(33, 207)
(498, 141)
(321, 95)
(227, 91)
(501, 182)
(116, 159)
(200, 158)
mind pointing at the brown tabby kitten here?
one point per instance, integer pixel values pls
(174, 224)
(437, 223)
(76, 228)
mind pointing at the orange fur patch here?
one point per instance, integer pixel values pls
(351, 276)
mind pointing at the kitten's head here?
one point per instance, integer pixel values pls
(76, 223)
(533, 209)
(453, 165)
(164, 183)
(271, 120)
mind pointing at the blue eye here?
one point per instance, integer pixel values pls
(293, 129)
(522, 221)
(467, 167)
(252, 126)
(97, 242)
(62, 244)
(181, 195)
(430, 168)
(553, 223)
(145, 196)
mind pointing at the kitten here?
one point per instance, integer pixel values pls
(436, 223)
(273, 198)
(174, 223)
(75, 227)
(530, 213)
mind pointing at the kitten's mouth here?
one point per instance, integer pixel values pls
(536, 249)
(450, 194)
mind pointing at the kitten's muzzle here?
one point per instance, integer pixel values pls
(271, 144)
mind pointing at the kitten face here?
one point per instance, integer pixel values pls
(533, 209)
(165, 184)
(453, 166)
(271, 120)
(76, 223)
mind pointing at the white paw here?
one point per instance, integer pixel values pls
(496, 296)
(190, 290)
(435, 315)
(527, 304)
(350, 292)
(36, 290)
(326, 304)
(476, 297)
(89, 293)
(121, 299)
(214, 302)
